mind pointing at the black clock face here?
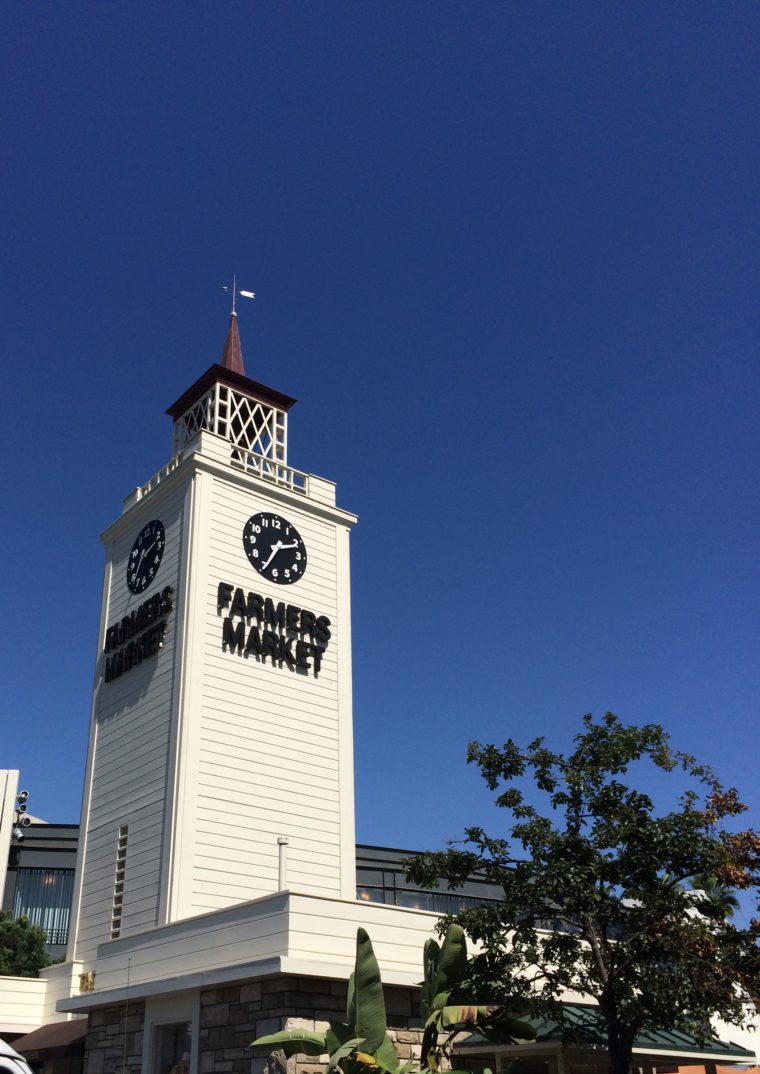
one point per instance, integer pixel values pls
(145, 557)
(275, 548)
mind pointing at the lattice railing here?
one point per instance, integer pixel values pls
(249, 424)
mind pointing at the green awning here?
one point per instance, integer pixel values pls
(584, 1027)
(587, 1023)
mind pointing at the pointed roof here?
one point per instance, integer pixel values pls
(232, 355)
(230, 371)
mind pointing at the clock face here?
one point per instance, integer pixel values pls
(275, 548)
(145, 557)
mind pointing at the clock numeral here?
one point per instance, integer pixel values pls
(274, 573)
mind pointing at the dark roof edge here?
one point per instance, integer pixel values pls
(219, 374)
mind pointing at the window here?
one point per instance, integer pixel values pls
(171, 1034)
(44, 896)
(172, 1047)
(384, 885)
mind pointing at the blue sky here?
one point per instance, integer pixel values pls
(506, 258)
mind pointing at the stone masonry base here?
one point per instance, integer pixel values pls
(234, 1015)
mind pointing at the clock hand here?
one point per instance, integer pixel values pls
(144, 552)
(275, 549)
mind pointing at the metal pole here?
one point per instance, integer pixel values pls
(282, 871)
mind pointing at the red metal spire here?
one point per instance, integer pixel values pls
(232, 355)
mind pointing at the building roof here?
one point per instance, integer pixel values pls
(55, 1040)
(585, 1022)
(224, 375)
(232, 355)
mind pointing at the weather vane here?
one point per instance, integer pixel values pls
(235, 293)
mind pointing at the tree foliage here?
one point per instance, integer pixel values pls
(22, 947)
(597, 897)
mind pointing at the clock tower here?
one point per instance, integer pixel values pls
(221, 727)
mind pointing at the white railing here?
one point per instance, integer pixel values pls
(156, 480)
(251, 463)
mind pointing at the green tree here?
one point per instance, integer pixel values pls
(723, 896)
(596, 885)
(22, 947)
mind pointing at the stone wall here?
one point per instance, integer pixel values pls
(106, 1042)
(231, 1017)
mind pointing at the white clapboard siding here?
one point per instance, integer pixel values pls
(306, 934)
(208, 756)
(268, 745)
(22, 1004)
(132, 731)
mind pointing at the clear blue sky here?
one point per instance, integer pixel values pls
(506, 257)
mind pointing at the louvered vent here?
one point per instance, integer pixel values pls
(118, 884)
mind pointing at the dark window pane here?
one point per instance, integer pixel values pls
(373, 877)
(365, 894)
(171, 1054)
(44, 896)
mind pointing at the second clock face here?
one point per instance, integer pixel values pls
(145, 557)
(274, 547)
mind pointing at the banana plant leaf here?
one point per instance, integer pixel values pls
(342, 1051)
(294, 1042)
(452, 964)
(487, 1016)
(464, 1014)
(511, 1031)
(430, 956)
(386, 1056)
(516, 1028)
(336, 1035)
(370, 1020)
(351, 1001)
